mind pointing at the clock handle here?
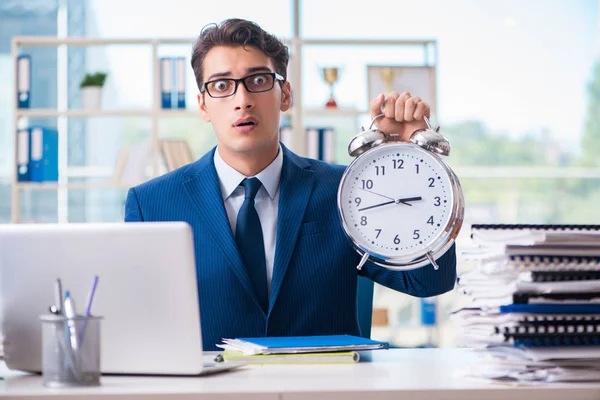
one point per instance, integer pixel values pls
(427, 122)
(432, 261)
(373, 121)
(363, 260)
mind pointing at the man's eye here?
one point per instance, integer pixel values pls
(259, 80)
(221, 85)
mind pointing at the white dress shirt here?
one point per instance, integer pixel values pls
(266, 201)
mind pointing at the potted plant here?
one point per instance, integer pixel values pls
(91, 89)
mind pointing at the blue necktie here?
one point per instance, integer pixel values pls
(249, 239)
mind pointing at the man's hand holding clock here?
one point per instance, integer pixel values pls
(403, 113)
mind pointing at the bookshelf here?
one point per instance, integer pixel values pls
(297, 115)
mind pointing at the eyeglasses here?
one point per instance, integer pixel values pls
(255, 83)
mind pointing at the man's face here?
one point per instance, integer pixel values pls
(244, 122)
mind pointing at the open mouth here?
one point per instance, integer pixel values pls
(245, 122)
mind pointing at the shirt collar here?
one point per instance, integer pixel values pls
(230, 179)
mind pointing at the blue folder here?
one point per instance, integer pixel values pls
(303, 344)
(43, 161)
(23, 81)
(546, 308)
(23, 155)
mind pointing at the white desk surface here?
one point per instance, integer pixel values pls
(413, 374)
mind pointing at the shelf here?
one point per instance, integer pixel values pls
(41, 112)
(334, 112)
(97, 41)
(141, 112)
(101, 179)
(179, 112)
(174, 112)
(72, 185)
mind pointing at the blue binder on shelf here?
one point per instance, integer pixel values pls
(428, 311)
(166, 81)
(43, 164)
(23, 155)
(180, 81)
(320, 144)
(23, 69)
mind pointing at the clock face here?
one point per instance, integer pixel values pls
(395, 200)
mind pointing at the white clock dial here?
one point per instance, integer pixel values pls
(395, 200)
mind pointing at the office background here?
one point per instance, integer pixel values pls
(517, 92)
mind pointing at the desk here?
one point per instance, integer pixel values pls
(409, 374)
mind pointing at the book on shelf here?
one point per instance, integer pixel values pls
(23, 81)
(172, 82)
(176, 153)
(134, 164)
(37, 154)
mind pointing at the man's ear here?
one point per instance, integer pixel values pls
(286, 96)
(202, 107)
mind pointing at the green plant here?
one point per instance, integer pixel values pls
(96, 79)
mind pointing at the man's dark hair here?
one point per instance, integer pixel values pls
(238, 32)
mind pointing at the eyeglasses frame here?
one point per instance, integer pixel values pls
(275, 75)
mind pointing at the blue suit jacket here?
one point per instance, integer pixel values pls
(313, 291)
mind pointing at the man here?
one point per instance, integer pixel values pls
(272, 256)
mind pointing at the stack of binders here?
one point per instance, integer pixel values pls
(534, 307)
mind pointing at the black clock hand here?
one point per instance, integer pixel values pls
(398, 201)
(406, 199)
(377, 205)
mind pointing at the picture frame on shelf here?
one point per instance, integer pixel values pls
(418, 80)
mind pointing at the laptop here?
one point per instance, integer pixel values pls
(147, 293)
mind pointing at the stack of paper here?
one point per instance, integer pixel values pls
(535, 302)
(298, 349)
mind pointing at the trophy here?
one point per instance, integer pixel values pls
(330, 75)
(387, 75)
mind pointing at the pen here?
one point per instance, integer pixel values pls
(72, 353)
(90, 298)
(58, 301)
(71, 313)
(88, 307)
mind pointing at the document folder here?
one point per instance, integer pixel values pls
(301, 344)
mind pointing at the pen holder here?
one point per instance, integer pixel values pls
(70, 351)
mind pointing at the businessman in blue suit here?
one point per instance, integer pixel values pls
(272, 257)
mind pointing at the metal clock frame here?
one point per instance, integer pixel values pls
(376, 140)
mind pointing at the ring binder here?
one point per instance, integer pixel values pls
(553, 340)
(544, 227)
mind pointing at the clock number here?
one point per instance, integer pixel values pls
(430, 220)
(437, 201)
(398, 164)
(380, 168)
(368, 184)
(431, 181)
(363, 220)
(378, 233)
(417, 165)
(396, 240)
(358, 200)
(416, 234)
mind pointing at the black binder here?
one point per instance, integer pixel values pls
(572, 330)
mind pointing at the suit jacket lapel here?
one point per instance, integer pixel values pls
(296, 187)
(203, 188)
